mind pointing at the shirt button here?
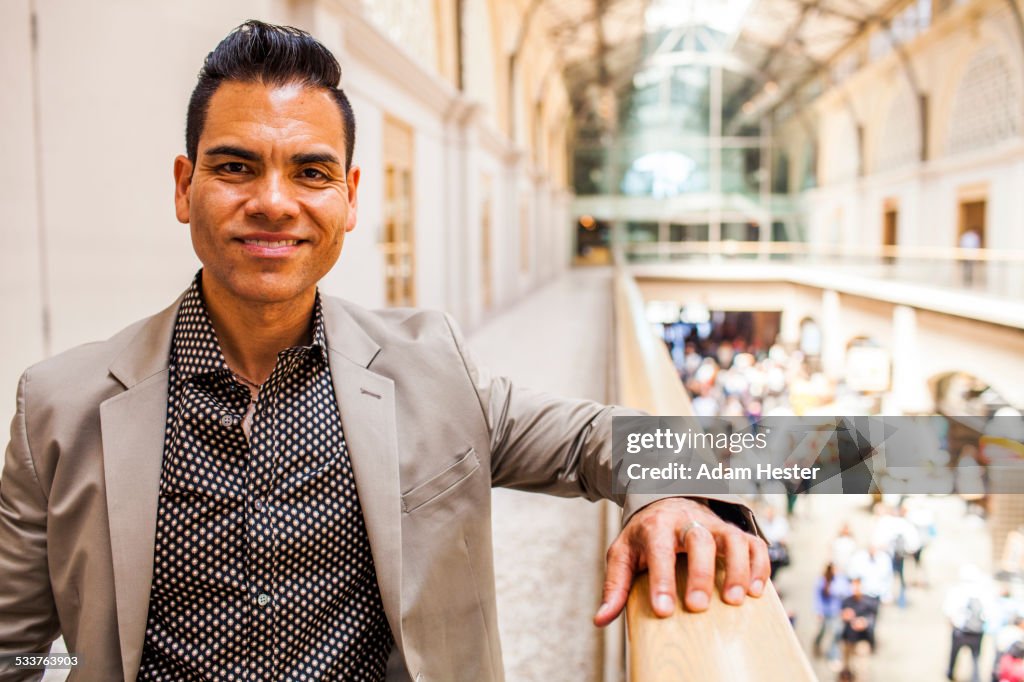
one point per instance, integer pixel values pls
(263, 599)
(227, 420)
(259, 505)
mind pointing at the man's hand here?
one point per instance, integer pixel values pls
(653, 537)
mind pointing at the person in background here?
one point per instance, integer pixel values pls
(859, 614)
(704, 404)
(1009, 639)
(873, 567)
(901, 539)
(970, 479)
(844, 547)
(970, 240)
(776, 532)
(967, 606)
(1011, 665)
(924, 520)
(830, 590)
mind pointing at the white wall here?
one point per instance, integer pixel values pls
(21, 306)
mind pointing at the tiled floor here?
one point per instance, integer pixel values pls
(548, 551)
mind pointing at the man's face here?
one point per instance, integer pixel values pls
(268, 199)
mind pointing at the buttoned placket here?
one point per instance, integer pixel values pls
(235, 482)
(262, 468)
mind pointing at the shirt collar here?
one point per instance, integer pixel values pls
(195, 349)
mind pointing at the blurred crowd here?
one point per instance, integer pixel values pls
(728, 378)
(880, 569)
(863, 575)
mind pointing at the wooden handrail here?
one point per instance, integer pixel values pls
(645, 377)
(754, 641)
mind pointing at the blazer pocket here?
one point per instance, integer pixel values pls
(441, 483)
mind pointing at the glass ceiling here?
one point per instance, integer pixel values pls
(724, 16)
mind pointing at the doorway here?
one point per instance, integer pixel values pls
(397, 240)
(890, 230)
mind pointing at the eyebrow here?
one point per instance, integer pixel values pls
(297, 159)
(315, 157)
(228, 150)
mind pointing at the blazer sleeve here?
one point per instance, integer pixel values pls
(28, 616)
(561, 446)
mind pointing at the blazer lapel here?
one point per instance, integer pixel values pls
(132, 427)
(367, 404)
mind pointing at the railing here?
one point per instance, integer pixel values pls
(754, 641)
(992, 272)
(645, 377)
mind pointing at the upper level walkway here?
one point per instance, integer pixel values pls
(923, 314)
(549, 551)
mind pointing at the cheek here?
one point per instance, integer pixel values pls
(335, 244)
(215, 203)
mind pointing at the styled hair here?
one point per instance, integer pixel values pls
(257, 52)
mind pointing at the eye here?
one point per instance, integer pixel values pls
(233, 167)
(313, 174)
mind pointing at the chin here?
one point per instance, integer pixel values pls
(257, 289)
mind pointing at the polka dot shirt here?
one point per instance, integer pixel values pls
(262, 567)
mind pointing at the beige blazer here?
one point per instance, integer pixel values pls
(429, 434)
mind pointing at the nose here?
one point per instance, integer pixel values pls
(272, 199)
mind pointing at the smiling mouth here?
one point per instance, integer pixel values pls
(271, 245)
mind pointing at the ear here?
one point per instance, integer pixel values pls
(353, 198)
(182, 184)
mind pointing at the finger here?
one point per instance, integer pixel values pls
(661, 562)
(736, 550)
(617, 581)
(700, 568)
(760, 566)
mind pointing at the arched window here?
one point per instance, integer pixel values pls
(409, 24)
(900, 141)
(987, 105)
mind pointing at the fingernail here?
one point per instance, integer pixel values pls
(734, 594)
(698, 599)
(665, 603)
(757, 587)
(603, 609)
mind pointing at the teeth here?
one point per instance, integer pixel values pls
(259, 242)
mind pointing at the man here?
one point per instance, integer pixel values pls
(263, 483)
(873, 566)
(859, 612)
(968, 606)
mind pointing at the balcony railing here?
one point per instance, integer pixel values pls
(995, 273)
(754, 641)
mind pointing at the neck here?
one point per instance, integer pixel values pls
(252, 334)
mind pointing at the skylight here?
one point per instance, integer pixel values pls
(721, 15)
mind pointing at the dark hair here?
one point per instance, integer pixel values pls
(256, 52)
(829, 576)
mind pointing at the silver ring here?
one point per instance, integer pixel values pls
(690, 526)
